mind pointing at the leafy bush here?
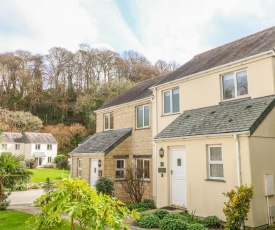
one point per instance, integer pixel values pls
(196, 226)
(149, 221)
(173, 224)
(4, 204)
(174, 215)
(212, 222)
(142, 206)
(20, 187)
(237, 208)
(105, 185)
(191, 218)
(160, 213)
(61, 161)
(30, 163)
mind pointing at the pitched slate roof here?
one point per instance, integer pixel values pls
(103, 142)
(139, 91)
(41, 138)
(8, 137)
(245, 47)
(240, 116)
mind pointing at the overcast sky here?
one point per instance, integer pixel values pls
(159, 29)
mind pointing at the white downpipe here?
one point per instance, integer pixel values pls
(154, 133)
(268, 213)
(238, 158)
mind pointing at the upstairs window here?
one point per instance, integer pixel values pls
(234, 85)
(17, 146)
(37, 146)
(171, 101)
(108, 121)
(4, 146)
(142, 114)
(79, 168)
(215, 162)
(49, 147)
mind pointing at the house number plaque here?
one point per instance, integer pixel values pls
(162, 170)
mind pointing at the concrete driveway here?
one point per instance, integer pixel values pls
(25, 197)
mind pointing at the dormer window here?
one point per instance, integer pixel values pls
(108, 121)
(171, 101)
(234, 85)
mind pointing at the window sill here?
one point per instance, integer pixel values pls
(148, 127)
(215, 180)
(235, 99)
(169, 114)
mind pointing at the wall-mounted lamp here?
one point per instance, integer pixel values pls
(161, 152)
(152, 97)
(99, 163)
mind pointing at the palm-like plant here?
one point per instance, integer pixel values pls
(12, 170)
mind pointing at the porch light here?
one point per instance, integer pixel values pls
(161, 152)
(99, 163)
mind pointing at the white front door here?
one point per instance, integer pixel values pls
(94, 172)
(178, 177)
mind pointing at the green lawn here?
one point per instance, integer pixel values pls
(15, 220)
(40, 175)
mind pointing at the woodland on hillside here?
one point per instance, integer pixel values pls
(63, 87)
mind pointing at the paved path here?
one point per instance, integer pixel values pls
(23, 197)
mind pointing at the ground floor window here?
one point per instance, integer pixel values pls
(120, 168)
(143, 169)
(49, 159)
(215, 161)
(79, 168)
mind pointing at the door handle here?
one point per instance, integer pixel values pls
(171, 172)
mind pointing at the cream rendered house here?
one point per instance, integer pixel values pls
(210, 127)
(39, 146)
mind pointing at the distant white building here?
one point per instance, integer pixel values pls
(39, 146)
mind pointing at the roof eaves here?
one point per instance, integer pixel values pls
(261, 118)
(118, 142)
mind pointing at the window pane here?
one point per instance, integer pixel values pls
(216, 170)
(167, 105)
(119, 173)
(146, 115)
(120, 164)
(80, 163)
(106, 121)
(242, 83)
(111, 121)
(215, 153)
(139, 117)
(175, 100)
(139, 168)
(146, 169)
(228, 86)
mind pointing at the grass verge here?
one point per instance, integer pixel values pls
(40, 175)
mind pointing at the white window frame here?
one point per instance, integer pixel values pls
(4, 146)
(143, 126)
(37, 146)
(210, 162)
(143, 160)
(49, 147)
(108, 115)
(235, 85)
(171, 101)
(17, 146)
(121, 169)
(49, 159)
(79, 167)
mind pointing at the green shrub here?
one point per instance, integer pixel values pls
(20, 187)
(105, 185)
(196, 226)
(160, 213)
(237, 208)
(173, 224)
(174, 215)
(4, 205)
(191, 218)
(143, 206)
(149, 221)
(61, 161)
(212, 222)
